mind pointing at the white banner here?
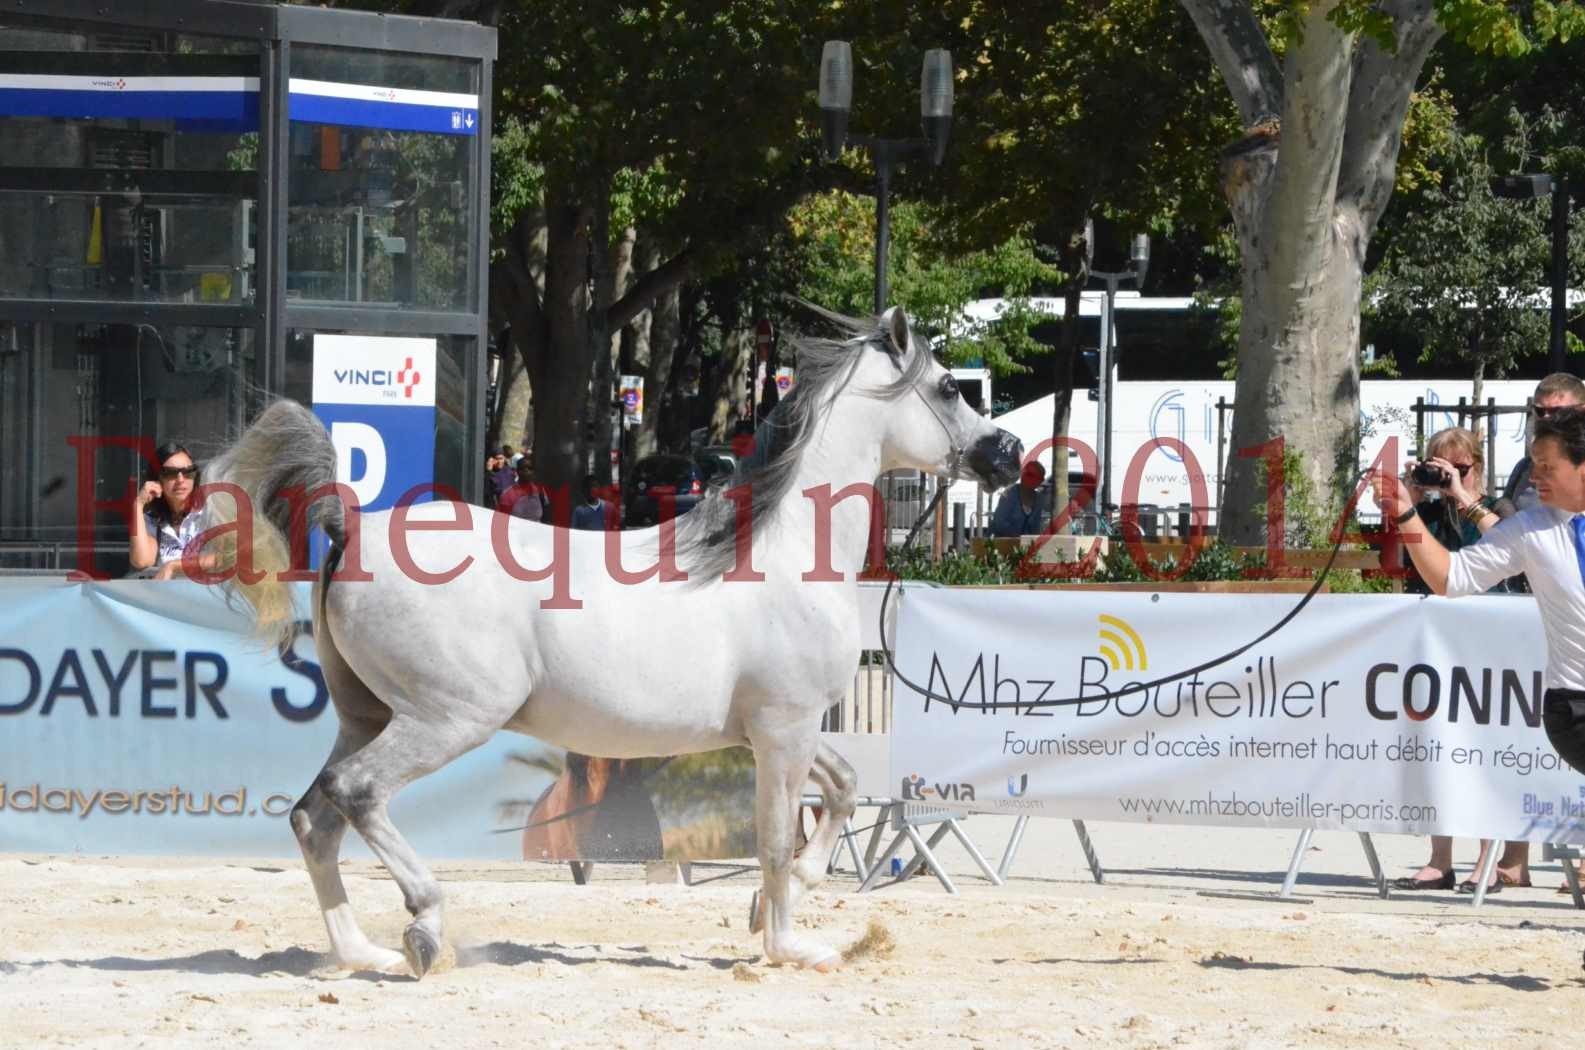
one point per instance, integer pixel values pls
(1366, 713)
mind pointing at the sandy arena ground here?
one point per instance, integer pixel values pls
(170, 954)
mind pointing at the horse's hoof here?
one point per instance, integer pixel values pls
(421, 949)
(756, 914)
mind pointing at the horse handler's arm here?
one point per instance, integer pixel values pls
(1430, 558)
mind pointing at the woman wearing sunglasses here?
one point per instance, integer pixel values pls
(1455, 508)
(166, 519)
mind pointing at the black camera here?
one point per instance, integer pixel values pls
(1429, 475)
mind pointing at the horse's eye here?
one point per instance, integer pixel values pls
(949, 388)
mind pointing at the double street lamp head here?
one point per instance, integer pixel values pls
(836, 98)
(935, 102)
(1139, 257)
(836, 95)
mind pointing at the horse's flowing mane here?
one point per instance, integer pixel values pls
(707, 536)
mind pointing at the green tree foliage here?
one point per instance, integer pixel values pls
(1466, 274)
(831, 237)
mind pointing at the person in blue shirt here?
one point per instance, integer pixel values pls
(1019, 513)
(593, 513)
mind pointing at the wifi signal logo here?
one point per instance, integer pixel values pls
(1121, 645)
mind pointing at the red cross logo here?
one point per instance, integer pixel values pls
(402, 380)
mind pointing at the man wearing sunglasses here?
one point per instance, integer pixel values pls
(1558, 390)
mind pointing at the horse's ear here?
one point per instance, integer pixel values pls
(896, 322)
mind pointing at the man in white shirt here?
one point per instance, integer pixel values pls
(1547, 544)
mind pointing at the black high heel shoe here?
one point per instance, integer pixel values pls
(1444, 881)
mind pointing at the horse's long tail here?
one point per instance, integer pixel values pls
(283, 459)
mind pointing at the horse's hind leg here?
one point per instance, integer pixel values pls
(319, 827)
(780, 770)
(362, 784)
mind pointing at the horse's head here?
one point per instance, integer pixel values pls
(931, 428)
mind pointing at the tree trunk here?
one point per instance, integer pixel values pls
(600, 413)
(730, 385)
(515, 421)
(1304, 222)
(517, 288)
(1298, 375)
(659, 391)
(685, 384)
(560, 374)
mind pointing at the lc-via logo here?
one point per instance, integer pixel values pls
(406, 377)
(916, 790)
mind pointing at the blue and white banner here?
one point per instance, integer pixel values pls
(142, 717)
(376, 395)
(231, 103)
(225, 102)
(373, 106)
(1377, 713)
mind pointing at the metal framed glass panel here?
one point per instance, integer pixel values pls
(128, 165)
(178, 209)
(75, 400)
(381, 179)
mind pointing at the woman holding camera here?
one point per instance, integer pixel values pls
(1449, 492)
(164, 519)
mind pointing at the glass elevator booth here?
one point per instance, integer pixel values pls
(194, 194)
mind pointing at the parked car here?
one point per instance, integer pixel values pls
(663, 484)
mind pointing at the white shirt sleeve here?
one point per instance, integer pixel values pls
(1498, 555)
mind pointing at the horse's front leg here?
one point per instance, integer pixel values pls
(782, 763)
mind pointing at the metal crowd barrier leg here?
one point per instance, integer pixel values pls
(1089, 853)
(581, 870)
(1571, 876)
(1298, 858)
(1380, 876)
(929, 858)
(1483, 876)
(879, 829)
(912, 867)
(878, 864)
(1013, 842)
(848, 838)
(1017, 837)
(974, 852)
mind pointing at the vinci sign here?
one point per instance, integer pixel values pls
(377, 397)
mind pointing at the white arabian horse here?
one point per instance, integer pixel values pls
(422, 671)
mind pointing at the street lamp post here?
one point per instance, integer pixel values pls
(935, 111)
(1529, 187)
(1138, 264)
